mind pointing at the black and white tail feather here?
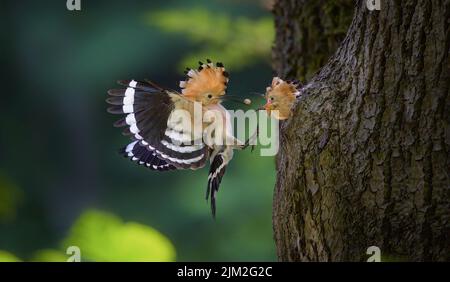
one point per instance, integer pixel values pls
(217, 169)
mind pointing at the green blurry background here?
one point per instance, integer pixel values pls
(62, 181)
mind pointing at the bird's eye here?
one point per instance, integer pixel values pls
(271, 98)
(209, 96)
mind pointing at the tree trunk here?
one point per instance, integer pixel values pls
(371, 138)
(309, 32)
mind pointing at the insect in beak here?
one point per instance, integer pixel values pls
(237, 99)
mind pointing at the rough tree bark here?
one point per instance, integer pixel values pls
(309, 32)
(365, 159)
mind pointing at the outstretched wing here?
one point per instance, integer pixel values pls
(143, 156)
(216, 172)
(146, 111)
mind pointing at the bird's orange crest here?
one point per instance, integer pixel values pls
(280, 87)
(208, 78)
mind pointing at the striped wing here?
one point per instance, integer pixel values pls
(143, 156)
(147, 117)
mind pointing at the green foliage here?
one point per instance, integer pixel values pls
(10, 196)
(8, 257)
(238, 42)
(49, 255)
(104, 237)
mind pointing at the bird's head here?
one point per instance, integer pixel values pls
(280, 97)
(206, 85)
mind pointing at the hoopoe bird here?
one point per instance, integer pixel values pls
(280, 98)
(162, 124)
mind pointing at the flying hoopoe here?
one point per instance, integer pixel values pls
(280, 97)
(162, 124)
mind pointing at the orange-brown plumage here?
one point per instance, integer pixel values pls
(280, 97)
(205, 85)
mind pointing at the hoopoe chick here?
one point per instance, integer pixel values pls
(162, 124)
(280, 97)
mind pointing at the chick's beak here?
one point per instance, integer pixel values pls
(268, 107)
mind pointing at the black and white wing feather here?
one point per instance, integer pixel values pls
(147, 111)
(143, 156)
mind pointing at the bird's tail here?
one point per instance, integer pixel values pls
(216, 172)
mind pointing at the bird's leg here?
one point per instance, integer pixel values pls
(249, 141)
(253, 138)
(235, 143)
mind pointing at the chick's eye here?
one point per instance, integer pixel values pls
(209, 96)
(271, 98)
